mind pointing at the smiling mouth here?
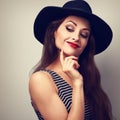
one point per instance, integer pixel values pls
(73, 45)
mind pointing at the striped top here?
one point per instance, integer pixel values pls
(65, 94)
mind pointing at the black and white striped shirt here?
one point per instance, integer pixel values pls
(65, 94)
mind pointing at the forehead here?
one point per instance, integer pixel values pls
(79, 21)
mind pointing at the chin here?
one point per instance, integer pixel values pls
(72, 54)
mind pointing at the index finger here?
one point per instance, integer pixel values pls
(61, 57)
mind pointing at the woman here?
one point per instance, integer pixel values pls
(66, 83)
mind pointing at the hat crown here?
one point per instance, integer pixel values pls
(78, 5)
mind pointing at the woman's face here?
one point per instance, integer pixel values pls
(72, 35)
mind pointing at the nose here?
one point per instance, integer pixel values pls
(75, 36)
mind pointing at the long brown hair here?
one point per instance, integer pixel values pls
(92, 81)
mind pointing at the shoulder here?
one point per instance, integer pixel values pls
(39, 76)
(45, 97)
(41, 81)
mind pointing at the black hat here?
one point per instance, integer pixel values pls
(100, 29)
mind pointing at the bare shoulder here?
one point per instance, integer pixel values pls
(41, 77)
(45, 97)
(41, 81)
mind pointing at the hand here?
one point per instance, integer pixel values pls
(70, 66)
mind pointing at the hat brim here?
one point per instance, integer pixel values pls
(100, 29)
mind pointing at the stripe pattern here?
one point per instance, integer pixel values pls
(65, 94)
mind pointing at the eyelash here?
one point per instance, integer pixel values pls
(83, 35)
(69, 28)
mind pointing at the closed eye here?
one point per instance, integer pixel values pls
(85, 35)
(69, 28)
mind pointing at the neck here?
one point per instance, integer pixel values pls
(55, 66)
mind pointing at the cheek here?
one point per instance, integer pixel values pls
(85, 42)
(84, 45)
(59, 39)
(58, 43)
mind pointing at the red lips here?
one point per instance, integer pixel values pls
(74, 45)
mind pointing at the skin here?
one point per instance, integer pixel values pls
(71, 39)
(75, 30)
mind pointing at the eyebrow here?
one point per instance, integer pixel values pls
(72, 22)
(88, 29)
